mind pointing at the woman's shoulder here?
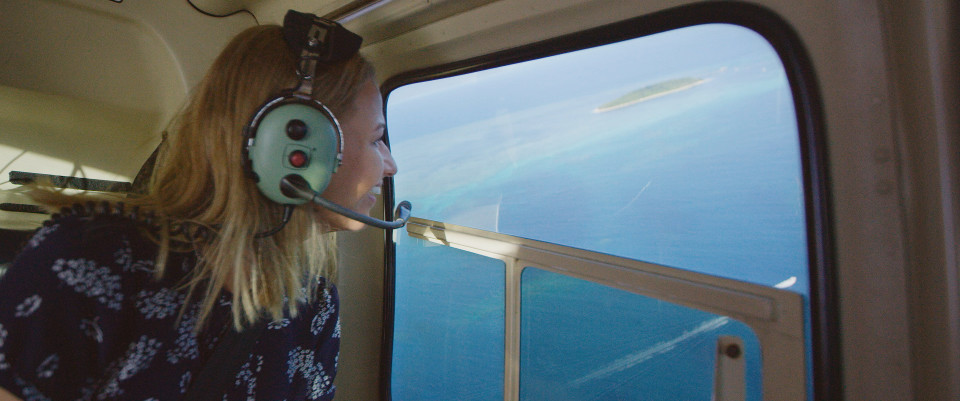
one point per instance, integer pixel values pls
(79, 245)
(87, 281)
(323, 300)
(314, 314)
(322, 314)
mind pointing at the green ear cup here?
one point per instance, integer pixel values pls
(271, 147)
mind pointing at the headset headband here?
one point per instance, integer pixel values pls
(325, 40)
(317, 40)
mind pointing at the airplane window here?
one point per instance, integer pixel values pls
(679, 148)
(449, 326)
(586, 341)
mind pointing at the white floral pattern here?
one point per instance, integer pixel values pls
(110, 390)
(303, 362)
(41, 235)
(91, 327)
(185, 346)
(86, 393)
(124, 258)
(304, 295)
(159, 304)
(30, 393)
(279, 324)
(123, 255)
(88, 279)
(323, 315)
(248, 374)
(48, 367)
(28, 306)
(185, 381)
(138, 356)
(3, 357)
(94, 289)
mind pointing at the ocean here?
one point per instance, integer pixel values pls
(707, 179)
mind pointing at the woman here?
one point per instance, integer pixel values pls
(109, 304)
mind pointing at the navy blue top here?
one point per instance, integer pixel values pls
(82, 317)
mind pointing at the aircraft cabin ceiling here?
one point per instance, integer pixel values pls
(88, 86)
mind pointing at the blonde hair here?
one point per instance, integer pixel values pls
(198, 182)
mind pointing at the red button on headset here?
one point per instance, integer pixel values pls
(298, 158)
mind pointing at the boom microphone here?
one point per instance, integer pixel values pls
(295, 186)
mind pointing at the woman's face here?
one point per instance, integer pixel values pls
(366, 160)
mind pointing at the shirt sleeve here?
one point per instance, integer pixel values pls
(51, 301)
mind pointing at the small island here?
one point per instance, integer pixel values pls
(649, 92)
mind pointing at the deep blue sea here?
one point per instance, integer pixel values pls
(706, 179)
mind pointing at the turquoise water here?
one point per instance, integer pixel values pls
(707, 179)
(584, 341)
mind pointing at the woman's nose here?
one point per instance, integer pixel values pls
(390, 165)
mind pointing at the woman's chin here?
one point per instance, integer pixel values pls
(338, 222)
(350, 225)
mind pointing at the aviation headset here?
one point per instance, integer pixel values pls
(293, 143)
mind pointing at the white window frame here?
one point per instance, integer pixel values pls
(776, 316)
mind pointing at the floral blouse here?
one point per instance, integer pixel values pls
(83, 318)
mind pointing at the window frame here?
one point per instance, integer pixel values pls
(823, 298)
